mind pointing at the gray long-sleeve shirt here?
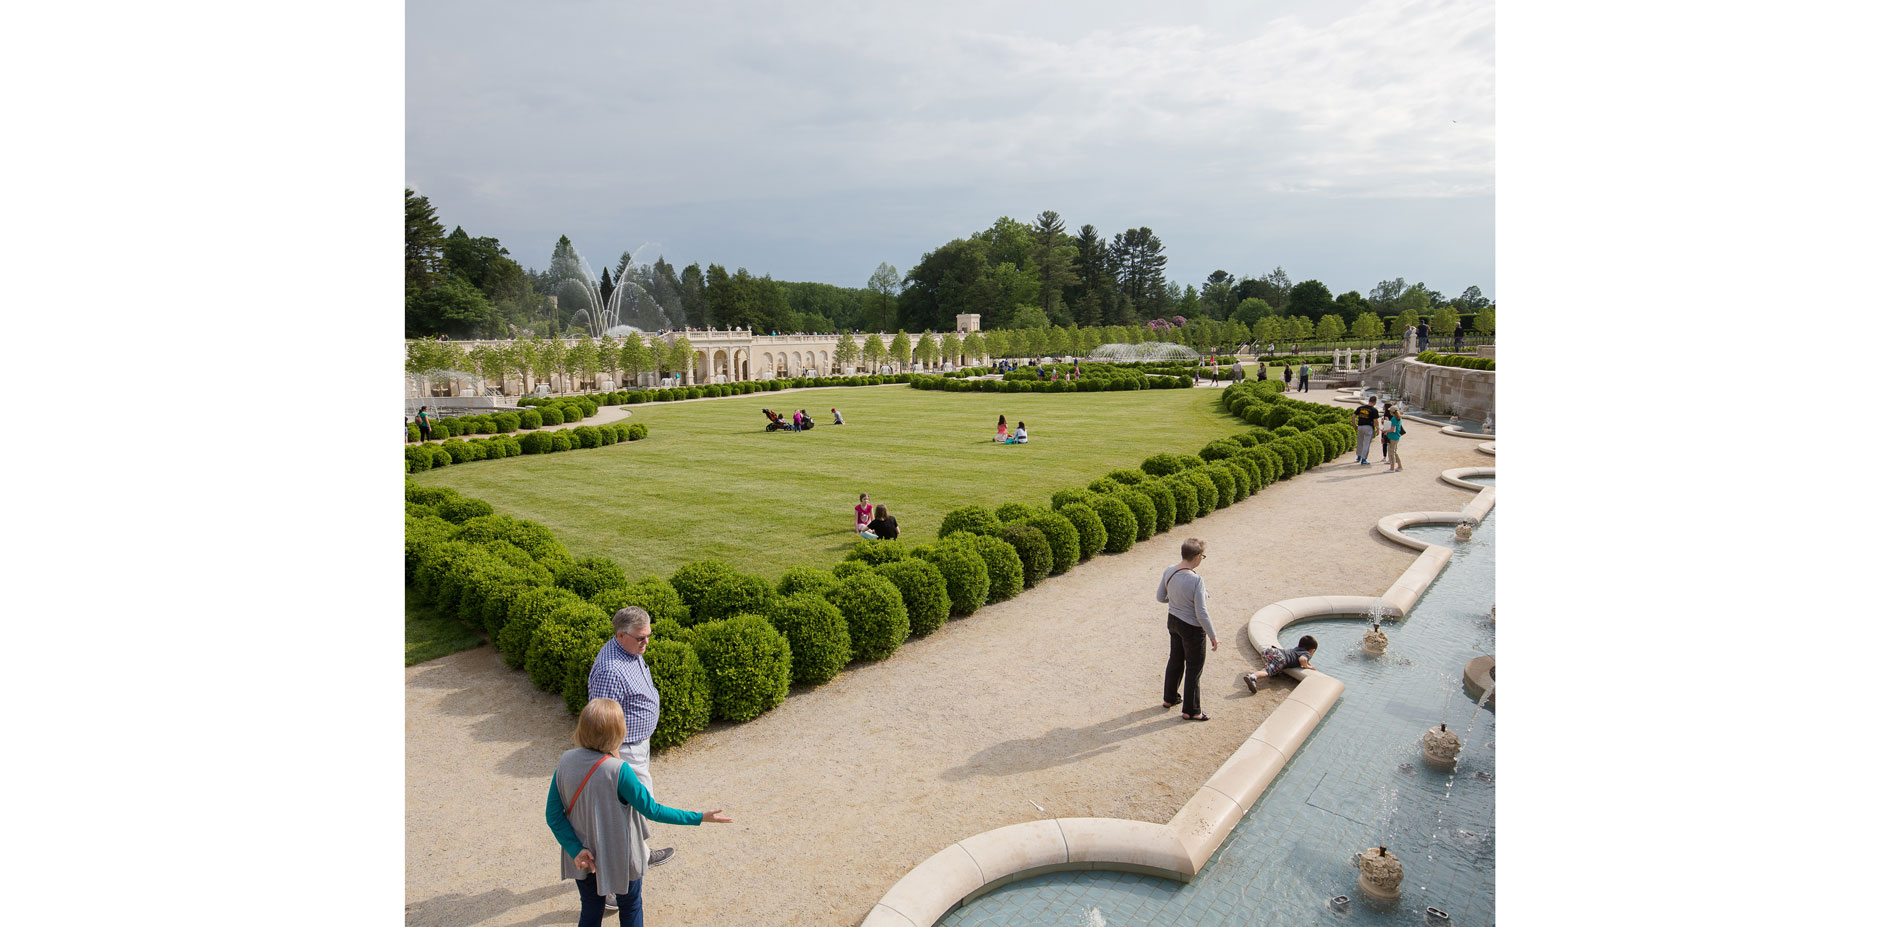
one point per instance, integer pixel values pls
(1186, 596)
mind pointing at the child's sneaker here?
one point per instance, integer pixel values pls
(1252, 686)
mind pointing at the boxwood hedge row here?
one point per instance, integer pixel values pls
(420, 457)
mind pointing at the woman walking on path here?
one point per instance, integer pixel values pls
(1190, 631)
(422, 421)
(1286, 375)
(1394, 431)
(591, 803)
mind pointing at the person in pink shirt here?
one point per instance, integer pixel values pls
(864, 512)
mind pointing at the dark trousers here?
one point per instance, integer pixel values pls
(1187, 651)
(1302, 384)
(594, 904)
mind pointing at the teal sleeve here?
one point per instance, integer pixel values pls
(557, 822)
(635, 794)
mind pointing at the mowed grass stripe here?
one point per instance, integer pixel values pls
(710, 482)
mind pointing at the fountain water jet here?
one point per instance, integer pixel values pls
(1441, 748)
(1379, 874)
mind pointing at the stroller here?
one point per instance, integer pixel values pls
(774, 422)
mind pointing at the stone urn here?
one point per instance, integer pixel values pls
(1374, 642)
(1379, 874)
(1463, 531)
(1441, 748)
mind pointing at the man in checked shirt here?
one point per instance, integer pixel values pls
(620, 673)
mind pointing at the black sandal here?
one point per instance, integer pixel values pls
(1202, 717)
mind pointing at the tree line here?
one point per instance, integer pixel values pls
(1015, 275)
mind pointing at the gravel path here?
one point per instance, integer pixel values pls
(1047, 705)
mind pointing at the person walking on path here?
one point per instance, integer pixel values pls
(620, 673)
(422, 421)
(1306, 372)
(1190, 631)
(1394, 431)
(1366, 419)
(594, 801)
(1424, 335)
(1385, 440)
(1286, 376)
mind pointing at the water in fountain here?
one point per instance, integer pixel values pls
(1145, 351)
(613, 317)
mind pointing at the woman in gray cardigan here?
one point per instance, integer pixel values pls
(591, 806)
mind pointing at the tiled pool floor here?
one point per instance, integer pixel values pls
(1358, 782)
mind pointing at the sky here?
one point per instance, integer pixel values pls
(1347, 142)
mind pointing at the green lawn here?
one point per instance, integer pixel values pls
(710, 482)
(427, 633)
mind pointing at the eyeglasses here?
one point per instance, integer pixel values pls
(640, 638)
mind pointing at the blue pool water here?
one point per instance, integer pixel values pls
(1358, 782)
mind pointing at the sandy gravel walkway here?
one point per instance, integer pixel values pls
(1044, 706)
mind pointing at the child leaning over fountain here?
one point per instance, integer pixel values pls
(1279, 659)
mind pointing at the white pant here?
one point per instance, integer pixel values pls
(636, 756)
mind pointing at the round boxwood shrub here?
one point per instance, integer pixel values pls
(553, 644)
(1143, 510)
(462, 508)
(1103, 485)
(972, 518)
(965, 577)
(1065, 543)
(525, 615)
(428, 495)
(438, 457)
(1090, 534)
(580, 664)
(926, 595)
(1246, 477)
(748, 662)
(1118, 523)
(1289, 457)
(530, 418)
(532, 537)
(1220, 449)
(1285, 431)
(572, 413)
(845, 569)
(1207, 494)
(586, 436)
(1304, 421)
(1005, 569)
(695, 581)
(670, 630)
(685, 691)
(873, 610)
(1127, 477)
(1032, 549)
(1063, 497)
(507, 421)
(536, 442)
(1223, 485)
(561, 441)
(877, 552)
(1012, 511)
(589, 576)
(1268, 462)
(739, 593)
(1161, 500)
(821, 644)
(805, 579)
(432, 562)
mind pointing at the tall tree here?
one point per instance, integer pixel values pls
(874, 351)
(846, 353)
(1384, 296)
(1094, 275)
(1279, 288)
(422, 246)
(1140, 265)
(1366, 326)
(900, 348)
(884, 282)
(1054, 254)
(1309, 299)
(636, 357)
(952, 347)
(1217, 295)
(1331, 328)
(927, 350)
(679, 355)
(693, 296)
(1487, 321)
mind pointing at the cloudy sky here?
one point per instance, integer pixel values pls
(1349, 142)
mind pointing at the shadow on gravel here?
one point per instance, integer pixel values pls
(463, 910)
(1062, 746)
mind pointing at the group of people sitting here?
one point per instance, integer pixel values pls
(799, 421)
(874, 524)
(1003, 435)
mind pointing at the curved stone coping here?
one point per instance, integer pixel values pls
(1456, 476)
(1489, 447)
(1458, 432)
(1177, 850)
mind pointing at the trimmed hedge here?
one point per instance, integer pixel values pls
(878, 552)
(816, 630)
(695, 581)
(1032, 548)
(748, 662)
(1090, 534)
(1206, 491)
(1161, 502)
(974, 519)
(874, 612)
(574, 628)
(1143, 509)
(1000, 562)
(965, 577)
(580, 665)
(1453, 360)
(590, 576)
(1118, 523)
(926, 595)
(806, 579)
(685, 691)
(1223, 485)
(733, 595)
(1065, 543)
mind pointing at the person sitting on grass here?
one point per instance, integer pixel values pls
(837, 418)
(1022, 434)
(883, 527)
(1280, 659)
(1002, 430)
(863, 513)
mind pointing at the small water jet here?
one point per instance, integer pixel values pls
(1340, 904)
(1379, 874)
(1441, 748)
(1436, 917)
(1375, 641)
(1481, 679)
